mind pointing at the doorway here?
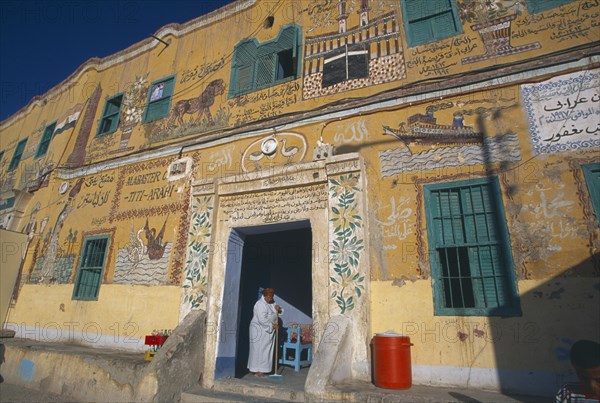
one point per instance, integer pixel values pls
(277, 256)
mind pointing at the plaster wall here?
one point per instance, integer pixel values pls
(121, 317)
(491, 352)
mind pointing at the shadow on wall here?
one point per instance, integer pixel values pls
(532, 351)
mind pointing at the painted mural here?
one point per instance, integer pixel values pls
(144, 191)
(145, 260)
(352, 57)
(564, 112)
(201, 119)
(480, 149)
(132, 110)
(195, 276)
(55, 260)
(347, 243)
(78, 155)
(493, 22)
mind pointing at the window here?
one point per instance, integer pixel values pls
(110, 115)
(16, 158)
(45, 141)
(537, 6)
(159, 99)
(1, 156)
(429, 21)
(592, 178)
(469, 250)
(91, 268)
(256, 66)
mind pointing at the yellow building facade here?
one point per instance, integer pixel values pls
(425, 167)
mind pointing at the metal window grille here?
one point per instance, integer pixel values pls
(469, 248)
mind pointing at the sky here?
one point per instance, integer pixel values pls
(42, 42)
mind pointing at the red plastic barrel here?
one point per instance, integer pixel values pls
(391, 361)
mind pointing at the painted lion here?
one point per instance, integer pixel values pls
(200, 105)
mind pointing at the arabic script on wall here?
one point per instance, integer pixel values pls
(564, 112)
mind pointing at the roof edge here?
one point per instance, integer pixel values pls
(100, 64)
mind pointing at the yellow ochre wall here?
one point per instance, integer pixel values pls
(117, 183)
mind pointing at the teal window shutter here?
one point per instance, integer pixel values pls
(592, 179)
(537, 6)
(429, 21)
(16, 158)
(159, 99)
(110, 115)
(91, 268)
(45, 140)
(472, 268)
(256, 66)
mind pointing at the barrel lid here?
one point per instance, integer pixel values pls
(389, 333)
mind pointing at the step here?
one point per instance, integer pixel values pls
(265, 388)
(200, 395)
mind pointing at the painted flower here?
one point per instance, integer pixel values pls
(133, 115)
(345, 216)
(139, 84)
(200, 235)
(346, 252)
(344, 184)
(203, 204)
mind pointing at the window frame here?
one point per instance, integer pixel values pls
(106, 116)
(538, 6)
(258, 53)
(44, 144)
(591, 172)
(150, 102)
(409, 31)
(17, 155)
(512, 304)
(78, 294)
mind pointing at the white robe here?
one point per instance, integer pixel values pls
(262, 337)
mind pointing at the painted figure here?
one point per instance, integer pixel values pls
(262, 333)
(155, 246)
(200, 105)
(157, 92)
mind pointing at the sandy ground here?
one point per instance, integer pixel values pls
(12, 393)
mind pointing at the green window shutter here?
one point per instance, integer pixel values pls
(111, 115)
(265, 70)
(45, 141)
(257, 66)
(91, 268)
(159, 102)
(16, 158)
(592, 179)
(469, 249)
(537, 6)
(431, 20)
(242, 69)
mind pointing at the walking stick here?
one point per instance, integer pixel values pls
(276, 376)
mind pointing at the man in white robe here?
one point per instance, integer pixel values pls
(262, 334)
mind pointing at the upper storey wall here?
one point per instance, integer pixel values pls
(260, 60)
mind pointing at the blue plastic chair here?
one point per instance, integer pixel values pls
(296, 349)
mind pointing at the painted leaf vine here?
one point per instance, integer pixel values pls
(195, 281)
(346, 245)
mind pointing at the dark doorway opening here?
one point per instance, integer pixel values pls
(277, 256)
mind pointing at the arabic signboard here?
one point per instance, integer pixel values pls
(564, 112)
